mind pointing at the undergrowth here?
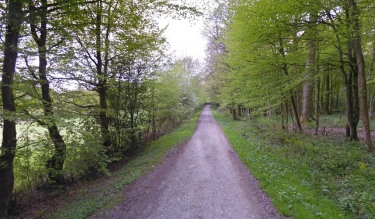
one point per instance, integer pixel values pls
(305, 176)
(86, 203)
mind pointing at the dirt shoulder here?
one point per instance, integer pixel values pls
(201, 179)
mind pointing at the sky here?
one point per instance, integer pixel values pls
(185, 38)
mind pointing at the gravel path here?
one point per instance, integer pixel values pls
(201, 179)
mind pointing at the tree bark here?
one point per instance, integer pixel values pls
(372, 92)
(8, 148)
(295, 112)
(351, 84)
(327, 91)
(317, 106)
(239, 110)
(351, 96)
(308, 87)
(292, 98)
(102, 90)
(56, 163)
(101, 87)
(361, 75)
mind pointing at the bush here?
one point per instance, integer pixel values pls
(306, 176)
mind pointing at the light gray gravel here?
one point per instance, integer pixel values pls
(201, 179)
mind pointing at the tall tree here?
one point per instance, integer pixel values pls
(14, 18)
(117, 29)
(307, 100)
(39, 33)
(354, 14)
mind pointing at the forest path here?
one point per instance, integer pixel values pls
(201, 179)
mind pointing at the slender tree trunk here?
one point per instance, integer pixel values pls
(371, 103)
(352, 119)
(295, 112)
(56, 162)
(286, 115)
(292, 98)
(351, 90)
(8, 147)
(101, 87)
(239, 110)
(102, 90)
(308, 87)
(327, 91)
(282, 116)
(317, 106)
(361, 75)
(234, 115)
(372, 93)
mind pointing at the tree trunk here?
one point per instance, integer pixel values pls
(102, 90)
(295, 112)
(308, 87)
(292, 98)
(361, 75)
(317, 106)
(351, 88)
(351, 111)
(234, 115)
(282, 116)
(327, 95)
(101, 87)
(239, 110)
(56, 163)
(8, 147)
(372, 93)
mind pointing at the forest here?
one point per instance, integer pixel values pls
(296, 79)
(297, 60)
(87, 83)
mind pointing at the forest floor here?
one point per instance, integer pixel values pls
(201, 179)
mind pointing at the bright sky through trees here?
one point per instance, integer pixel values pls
(185, 37)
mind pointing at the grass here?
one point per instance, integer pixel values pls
(306, 176)
(106, 196)
(26, 129)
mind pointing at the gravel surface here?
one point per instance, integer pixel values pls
(201, 179)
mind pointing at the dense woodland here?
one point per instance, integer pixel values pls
(298, 79)
(85, 83)
(295, 60)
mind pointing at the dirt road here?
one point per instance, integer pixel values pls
(202, 179)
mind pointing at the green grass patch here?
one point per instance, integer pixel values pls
(87, 203)
(306, 176)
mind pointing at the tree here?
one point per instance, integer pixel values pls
(215, 25)
(117, 32)
(40, 36)
(307, 101)
(14, 18)
(354, 14)
(265, 41)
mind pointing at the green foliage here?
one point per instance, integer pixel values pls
(88, 99)
(86, 203)
(305, 176)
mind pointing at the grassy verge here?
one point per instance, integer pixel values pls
(86, 203)
(306, 176)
